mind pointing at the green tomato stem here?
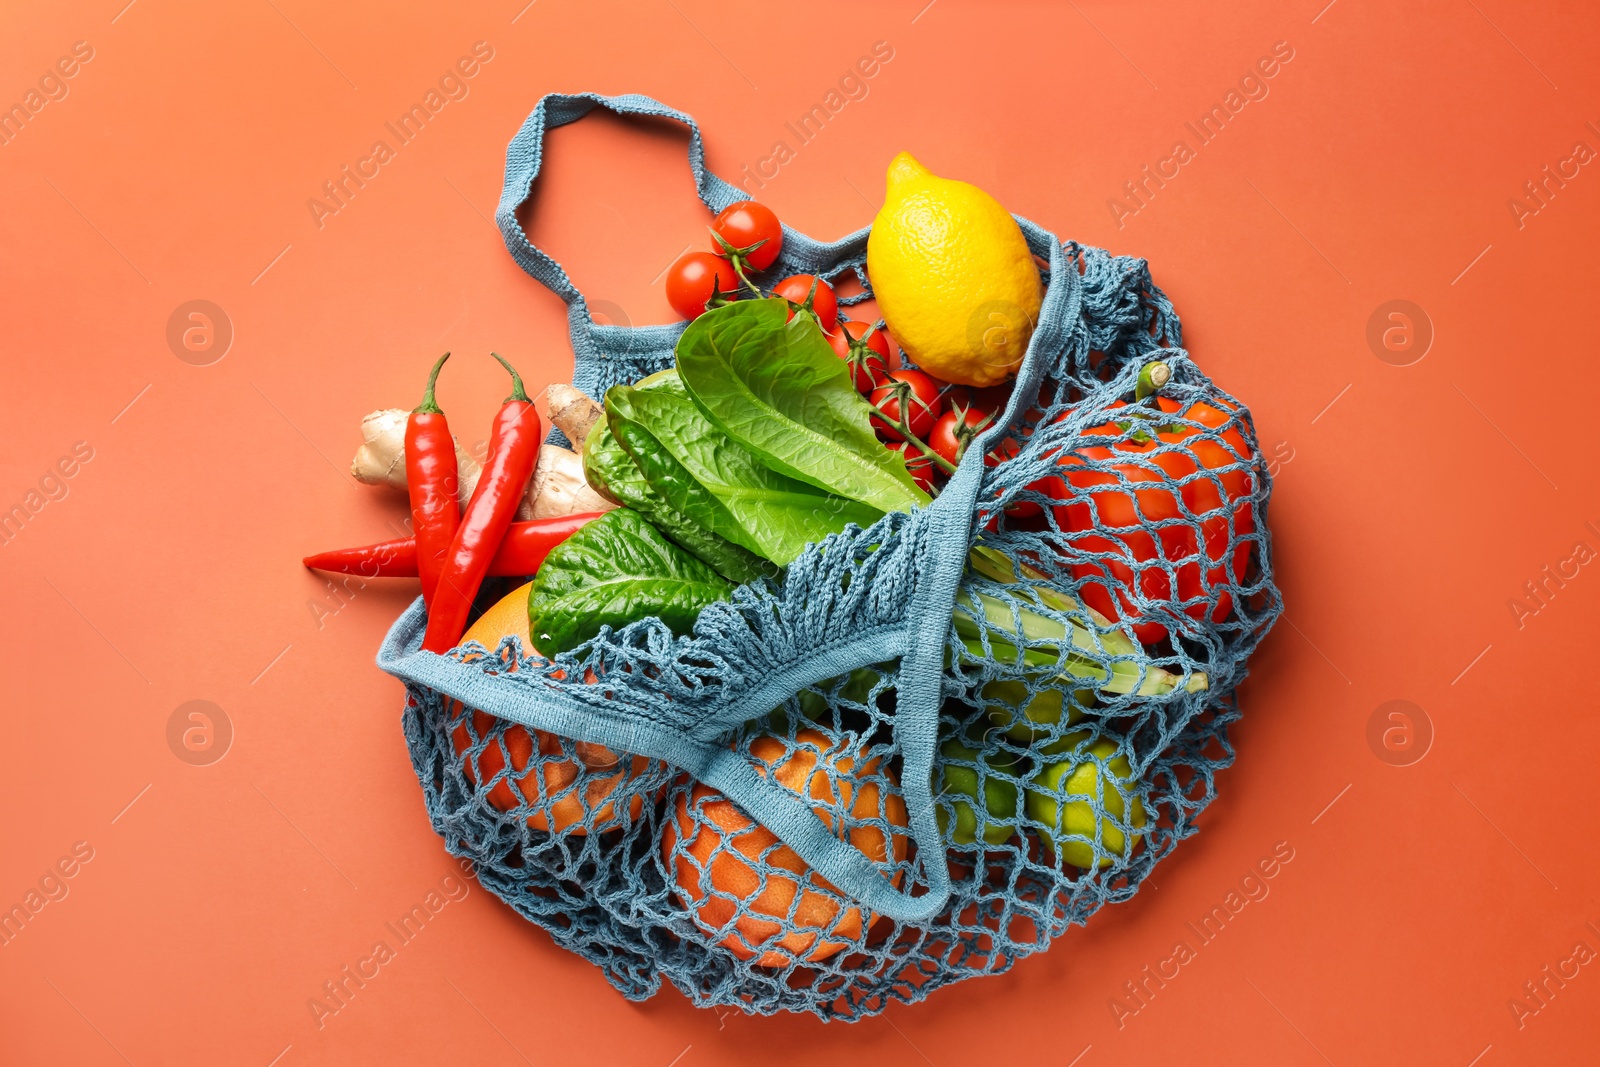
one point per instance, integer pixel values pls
(943, 464)
(738, 268)
(902, 395)
(736, 257)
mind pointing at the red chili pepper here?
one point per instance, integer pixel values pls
(432, 483)
(513, 447)
(1200, 492)
(523, 549)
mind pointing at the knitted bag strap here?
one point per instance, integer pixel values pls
(606, 354)
(525, 156)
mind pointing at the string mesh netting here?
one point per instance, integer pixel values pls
(1120, 576)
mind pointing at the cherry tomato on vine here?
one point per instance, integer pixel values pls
(866, 349)
(695, 278)
(750, 230)
(954, 430)
(797, 290)
(921, 403)
(918, 465)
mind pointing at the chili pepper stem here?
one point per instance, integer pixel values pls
(517, 392)
(429, 406)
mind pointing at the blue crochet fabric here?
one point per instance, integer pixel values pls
(608, 795)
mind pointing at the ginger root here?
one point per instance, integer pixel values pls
(557, 487)
(381, 459)
(573, 413)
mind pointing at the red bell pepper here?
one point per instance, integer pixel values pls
(1158, 468)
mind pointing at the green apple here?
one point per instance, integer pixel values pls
(967, 817)
(1071, 826)
(1028, 717)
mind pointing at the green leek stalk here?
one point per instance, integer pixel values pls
(1047, 642)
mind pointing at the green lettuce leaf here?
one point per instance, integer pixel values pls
(613, 473)
(779, 390)
(616, 570)
(715, 482)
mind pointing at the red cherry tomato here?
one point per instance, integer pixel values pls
(866, 349)
(797, 289)
(918, 465)
(752, 231)
(954, 430)
(922, 403)
(691, 279)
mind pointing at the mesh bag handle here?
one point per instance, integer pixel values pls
(943, 536)
(606, 354)
(525, 156)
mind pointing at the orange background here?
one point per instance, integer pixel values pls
(1412, 504)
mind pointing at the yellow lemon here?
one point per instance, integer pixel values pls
(953, 276)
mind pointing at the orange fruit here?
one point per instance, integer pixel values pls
(715, 871)
(548, 776)
(508, 617)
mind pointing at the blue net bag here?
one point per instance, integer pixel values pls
(926, 748)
